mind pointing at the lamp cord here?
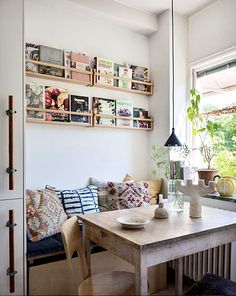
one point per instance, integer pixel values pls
(173, 64)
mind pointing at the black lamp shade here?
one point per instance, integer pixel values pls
(173, 140)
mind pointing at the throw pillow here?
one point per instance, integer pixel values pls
(102, 193)
(127, 195)
(79, 201)
(154, 187)
(44, 215)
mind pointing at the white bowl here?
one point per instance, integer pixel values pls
(133, 222)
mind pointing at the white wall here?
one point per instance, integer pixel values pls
(212, 30)
(67, 156)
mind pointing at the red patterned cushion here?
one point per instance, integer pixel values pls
(127, 195)
(44, 215)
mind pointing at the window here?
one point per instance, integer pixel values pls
(217, 86)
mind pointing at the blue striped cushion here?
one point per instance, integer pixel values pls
(79, 201)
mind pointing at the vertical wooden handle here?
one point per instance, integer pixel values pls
(10, 170)
(11, 272)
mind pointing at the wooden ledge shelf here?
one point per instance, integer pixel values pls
(149, 120)
(68, 123)
(59, 78)
(92, 78)
(149, 84)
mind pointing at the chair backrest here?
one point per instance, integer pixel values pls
(71, 236)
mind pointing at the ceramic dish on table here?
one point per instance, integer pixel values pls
(132, 222)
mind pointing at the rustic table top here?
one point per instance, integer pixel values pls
(161, 231)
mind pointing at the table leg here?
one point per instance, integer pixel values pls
(179, 276)
(141, 274)
(87, 248)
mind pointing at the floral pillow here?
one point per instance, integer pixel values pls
(127, 195)
(44, 215)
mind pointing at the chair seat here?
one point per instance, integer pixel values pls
(112, 283)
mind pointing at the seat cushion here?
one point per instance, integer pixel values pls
(45, 246)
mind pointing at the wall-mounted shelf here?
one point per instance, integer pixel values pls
(149, 84)
(92, 119)
(59, 78)
(68, 123)
(92, 78)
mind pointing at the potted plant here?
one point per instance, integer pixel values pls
(205, 129)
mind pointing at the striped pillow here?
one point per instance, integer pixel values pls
(79, 201)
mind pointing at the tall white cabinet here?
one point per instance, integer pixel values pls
(12, 148)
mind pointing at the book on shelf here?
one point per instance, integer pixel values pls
(81, 62)
(79, 104)
(125, 72)
(104, 66)
(104, 107)
(116, 73)
(141, 113)
(31, 53)
(140, 74)
(52, 56)
(56, 99)
(34, 95)
(67, 60)
(124, 108)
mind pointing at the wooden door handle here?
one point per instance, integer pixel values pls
(11, 272)
(10, 170)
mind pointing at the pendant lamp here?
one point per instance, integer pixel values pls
(173, 140)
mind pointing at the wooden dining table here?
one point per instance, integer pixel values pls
(160, 240)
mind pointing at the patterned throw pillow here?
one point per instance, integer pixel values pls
(102, 193)
(45, 214)
(79, 201)
(154, 187)
(127, 195)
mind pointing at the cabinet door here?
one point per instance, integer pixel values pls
(7, 239)
(11, 81)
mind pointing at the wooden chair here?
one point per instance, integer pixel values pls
(109, 283)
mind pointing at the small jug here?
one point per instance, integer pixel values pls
(226, 186)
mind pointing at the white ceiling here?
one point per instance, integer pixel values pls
(186, 7)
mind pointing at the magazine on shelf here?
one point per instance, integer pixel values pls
(67, 60)
(106, 107)
(52, 56)
(56, 99)
(140, 74)
(34, 95)
(140, 113)
(79, 104)
(31, 53)
(104, 66)
(124, 108)
(81, 62)
(125, 72)
(116, 73)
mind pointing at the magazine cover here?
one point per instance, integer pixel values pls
(52, 56)
(125, 72)
(34, 98)
(124, 108)
(106, 67)
(141, 74)
(79, 104)
(81, 62)
(107, 107)
(56, 99)
(116, 73)
(67, 60)
(31, 53)
(140, 113)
